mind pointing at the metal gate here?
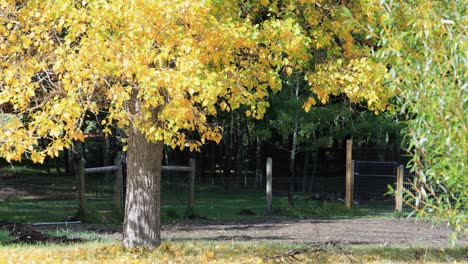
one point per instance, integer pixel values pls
(371, 180)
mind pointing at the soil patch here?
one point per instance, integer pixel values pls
(364, 231)
(369, 231)
(26, 234)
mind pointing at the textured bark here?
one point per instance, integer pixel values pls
(142, 224)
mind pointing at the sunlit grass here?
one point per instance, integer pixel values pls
(189, 251)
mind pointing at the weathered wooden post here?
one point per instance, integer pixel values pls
(269, 179)
(118, 182)
(192, 184)
(349, 174)
(399, 189)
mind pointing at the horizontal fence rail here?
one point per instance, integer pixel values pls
(114, 168)
(177, 168)
(374, 175)
(101, 169)
(120, 177)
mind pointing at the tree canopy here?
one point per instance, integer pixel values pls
(62, 59)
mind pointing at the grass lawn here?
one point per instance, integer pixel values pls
(211, 202)
(37, 197)
(224, 252)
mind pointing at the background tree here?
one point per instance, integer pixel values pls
(340, 64)
(291, 122)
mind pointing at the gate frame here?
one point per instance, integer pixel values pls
(350, 173)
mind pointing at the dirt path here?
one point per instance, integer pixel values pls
(375, 231)
(370, 231)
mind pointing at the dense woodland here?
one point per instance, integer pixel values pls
(239, 160)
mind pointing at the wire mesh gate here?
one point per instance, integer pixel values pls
(371, 181)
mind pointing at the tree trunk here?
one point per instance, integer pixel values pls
(71, 151)
(242, 167)
(228, 158)
(292, 166)
(212, 162)
(192, 184)
(258, 164)
(312, 178)
(142, 224)
(57, 168)
(66, 163)
(79, 166)
(239, 153)
(46, 160)
(83, 149)
(106, 153)
(305, 171)
(292, 161)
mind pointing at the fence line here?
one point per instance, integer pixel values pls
(120, 176)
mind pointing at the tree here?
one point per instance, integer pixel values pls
(423, 42)
(157, 68)
(291, 122)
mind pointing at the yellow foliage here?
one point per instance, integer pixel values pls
(178, 59)
(361, 80)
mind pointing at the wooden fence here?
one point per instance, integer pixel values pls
(119, 170)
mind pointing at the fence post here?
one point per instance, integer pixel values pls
(349, 174)
(399, 189)
(269, 178)
(192, 184)
(118, 182)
